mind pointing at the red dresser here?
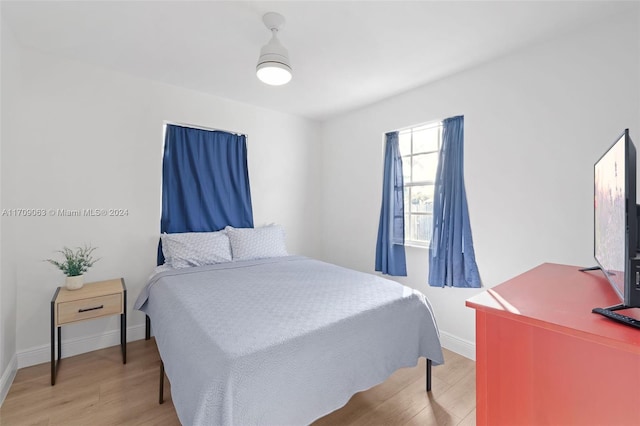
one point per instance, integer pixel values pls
(542, 357)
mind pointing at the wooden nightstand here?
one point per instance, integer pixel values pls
(94, 300)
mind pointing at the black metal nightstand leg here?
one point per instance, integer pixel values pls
(123, 337)
(123, 323)
(53, 349)
(55, 364)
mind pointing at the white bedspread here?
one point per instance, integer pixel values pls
(281, 341)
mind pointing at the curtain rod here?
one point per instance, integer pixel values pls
(427, 124)
(193, 126)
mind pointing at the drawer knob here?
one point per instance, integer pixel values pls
(91, 309)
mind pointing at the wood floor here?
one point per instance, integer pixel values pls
(97, 389)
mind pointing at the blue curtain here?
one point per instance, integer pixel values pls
(205, 181)
(390, 257)
(452, 260)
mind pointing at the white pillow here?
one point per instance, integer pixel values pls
(257, 243)
(195, 248)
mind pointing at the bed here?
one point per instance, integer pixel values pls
(281, 340)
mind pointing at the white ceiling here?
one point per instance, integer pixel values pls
(345, 54)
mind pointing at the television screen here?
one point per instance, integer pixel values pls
(610, 214)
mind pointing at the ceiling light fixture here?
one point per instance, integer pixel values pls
(273, 64)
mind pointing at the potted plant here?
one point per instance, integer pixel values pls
(74, 265)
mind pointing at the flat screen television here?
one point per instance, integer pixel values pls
(616, 220)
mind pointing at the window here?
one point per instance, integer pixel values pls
(420, 149)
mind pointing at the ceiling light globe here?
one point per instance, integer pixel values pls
(273, 73)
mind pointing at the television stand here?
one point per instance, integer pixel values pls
(590, 268)
(597, 268)
(542, 357)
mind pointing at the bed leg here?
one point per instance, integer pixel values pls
(428, 375)
(147, 328)
(161, 390)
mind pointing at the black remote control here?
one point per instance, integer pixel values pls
(617, 317)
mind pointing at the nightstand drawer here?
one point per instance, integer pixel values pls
(78, 310)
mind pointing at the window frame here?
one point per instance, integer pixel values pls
(408, 240)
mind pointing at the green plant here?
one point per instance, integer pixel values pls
(75, 262)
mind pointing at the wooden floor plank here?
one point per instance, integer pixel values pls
(97, 389)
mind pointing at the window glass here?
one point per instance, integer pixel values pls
(426, 140)
(420, 150)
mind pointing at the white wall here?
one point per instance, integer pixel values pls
(92, 138)
(10, 80)
(535, 122)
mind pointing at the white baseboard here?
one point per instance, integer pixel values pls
(41, 354)
(7, 378)
(460, 346)
(71, 347)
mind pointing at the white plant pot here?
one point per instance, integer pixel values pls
(74, 283)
